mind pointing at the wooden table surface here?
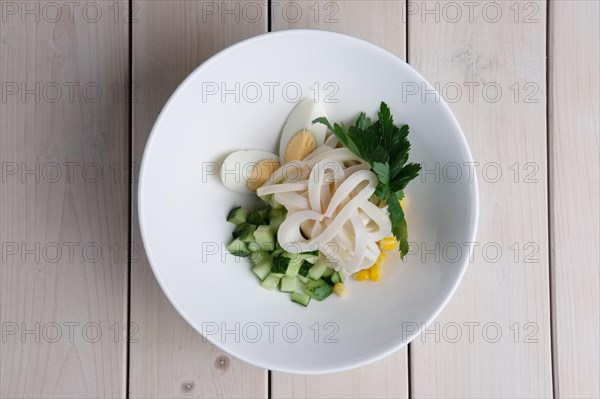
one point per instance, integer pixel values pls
(81, 312)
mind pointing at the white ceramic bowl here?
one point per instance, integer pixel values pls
(183, 205)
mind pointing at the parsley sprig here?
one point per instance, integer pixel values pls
(385, 147)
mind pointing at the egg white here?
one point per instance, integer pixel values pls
(300, 118)
(237, 168)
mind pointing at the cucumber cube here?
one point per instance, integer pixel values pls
(239, 230)
(318, 290)
(238, 248)
(260, 257)
(302, 279)
(248, 233)
(253, 247)
(276, 218)
(310, 257)
(300, 298)
(270, 282)
(295, 264)
(288, 284)
(255, 218)
(304, 268)
(262, 270)
(317, 270)
(265, 238)
(265, 214)
(237, 215)
(335, 278)
(274, 204)
(280, 264)
(328, 272)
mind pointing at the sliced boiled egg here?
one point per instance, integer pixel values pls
(299, 122)
(246, 170)
(300, 145)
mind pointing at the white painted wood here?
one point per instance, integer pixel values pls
(63, 228)
(574, 189)
(382, 23)
(170, 359)
(492, 46)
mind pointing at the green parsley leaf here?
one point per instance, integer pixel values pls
(382, 170)
(407, 173)
(385, 147)
(340, 133)
(399, 226)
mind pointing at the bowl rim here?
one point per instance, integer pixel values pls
(473, 228)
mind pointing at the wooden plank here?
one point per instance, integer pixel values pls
(574, 196)
(493, 338)
(63, 214)
(382, 23)
(170, 359)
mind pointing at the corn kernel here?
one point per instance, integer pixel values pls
(380, 259)
(387, 244)
(362, 275)
(375, 272)
(403, 202)
(339, 289)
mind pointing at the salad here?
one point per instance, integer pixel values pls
(333, 202)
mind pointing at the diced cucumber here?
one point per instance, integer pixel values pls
(274, 204)
(276, 218)
(247, 234)
(294, 267)
(318, 289)
(295, 263)
(280, 264)
(238, 248)
(327, 279)
(277, 246)
(342, 277)
(260, 258)
(270, 282)
(335, 278)
(317, 270)
(310, 257)
(304, 268)
(265, 238)
(237, 215)
(239, 230)
(278, 252)
(265, 214)
(253, 247)
(300, 298)
(328, 272)
(255, 218)
(302, 279)
(288, 284)
(262, 270)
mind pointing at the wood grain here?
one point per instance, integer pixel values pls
(574, 192)
(382, 23)
(170, 359)
(462, 353)
(63, 226)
